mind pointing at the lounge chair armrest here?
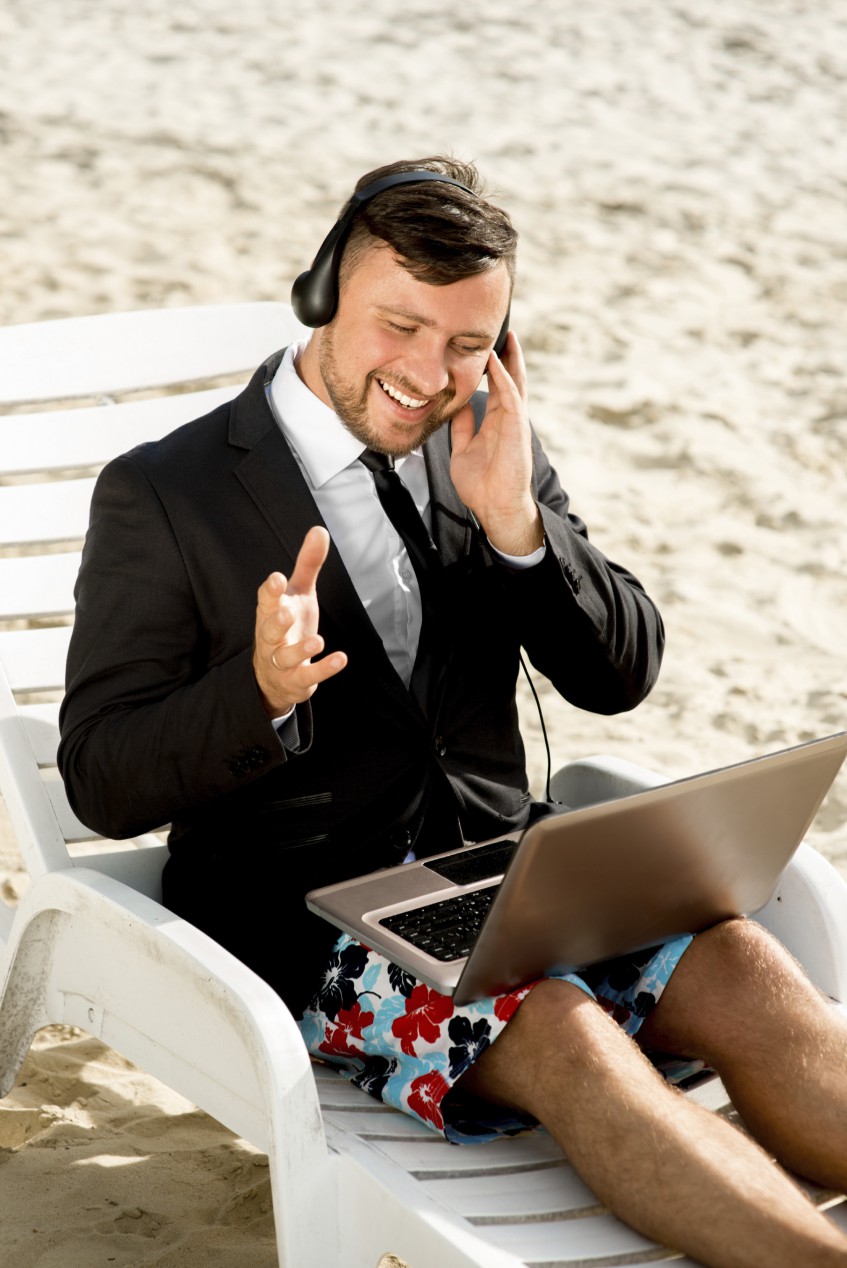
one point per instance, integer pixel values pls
(590, 780)
(808, 913)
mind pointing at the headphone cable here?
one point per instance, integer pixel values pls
(528, 677)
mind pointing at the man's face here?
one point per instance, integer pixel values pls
(401, 357)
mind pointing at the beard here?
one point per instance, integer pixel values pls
(351, 405)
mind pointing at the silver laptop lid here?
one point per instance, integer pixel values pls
(675, 859)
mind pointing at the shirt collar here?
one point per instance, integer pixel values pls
(319, 438)
(322, 442)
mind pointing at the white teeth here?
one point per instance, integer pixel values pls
(408, 401)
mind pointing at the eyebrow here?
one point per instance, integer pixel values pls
(419, 320)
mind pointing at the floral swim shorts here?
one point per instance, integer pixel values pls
(407, 1045)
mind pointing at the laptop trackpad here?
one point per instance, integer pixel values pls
(476, 863)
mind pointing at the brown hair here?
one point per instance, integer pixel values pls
(439, 232)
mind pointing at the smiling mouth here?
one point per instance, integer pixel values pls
(408, 402)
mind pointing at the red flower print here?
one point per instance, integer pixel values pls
(425, 1095)
(349, 1024)
(505, 1006)
(426, 1010)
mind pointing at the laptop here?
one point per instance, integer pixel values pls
(594, 882)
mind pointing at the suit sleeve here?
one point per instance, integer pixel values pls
(586, 623)
(154, 721)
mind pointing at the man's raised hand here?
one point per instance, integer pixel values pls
(287, 635)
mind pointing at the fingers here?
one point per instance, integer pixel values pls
(286, 637)
(292, 664)
(274, 623)
(509, 371)
(310, 560)
(270, 592)
(507, 391)
(288, 676)
(462, 430)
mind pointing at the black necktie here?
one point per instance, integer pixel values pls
(399, 506)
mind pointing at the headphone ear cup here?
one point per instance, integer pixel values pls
(308, 307)
(314, 295)
(501, 338)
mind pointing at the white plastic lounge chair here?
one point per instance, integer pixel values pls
(90, 944)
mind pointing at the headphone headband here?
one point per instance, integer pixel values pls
(418, 177)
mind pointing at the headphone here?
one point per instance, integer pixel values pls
(314, 295)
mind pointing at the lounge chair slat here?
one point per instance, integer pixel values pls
(124, 352)
(34, 660)
(596, 1239)
(62, 440)
(554, 1192)
(433, 1156)
(38, 586)
(33, 513)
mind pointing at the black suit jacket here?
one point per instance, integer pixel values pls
(163, 723)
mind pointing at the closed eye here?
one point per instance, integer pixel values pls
(466, 349)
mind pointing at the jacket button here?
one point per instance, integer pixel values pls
(572, 577)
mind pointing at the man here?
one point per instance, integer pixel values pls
(364, 707)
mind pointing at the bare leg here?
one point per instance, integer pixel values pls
(779, 1047)
(671, 1169)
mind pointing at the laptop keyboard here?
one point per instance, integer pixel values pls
(446, 930)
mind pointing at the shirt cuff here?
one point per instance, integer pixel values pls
(287, 729)
(520, 562)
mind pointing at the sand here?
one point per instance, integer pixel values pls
(676, 173)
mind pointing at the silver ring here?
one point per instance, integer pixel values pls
(273, 662)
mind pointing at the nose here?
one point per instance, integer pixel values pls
(427, 364)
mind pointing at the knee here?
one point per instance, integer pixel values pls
(740, 952)
(559, 1047)
(739, 978)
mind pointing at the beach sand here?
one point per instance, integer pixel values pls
(676, 173)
